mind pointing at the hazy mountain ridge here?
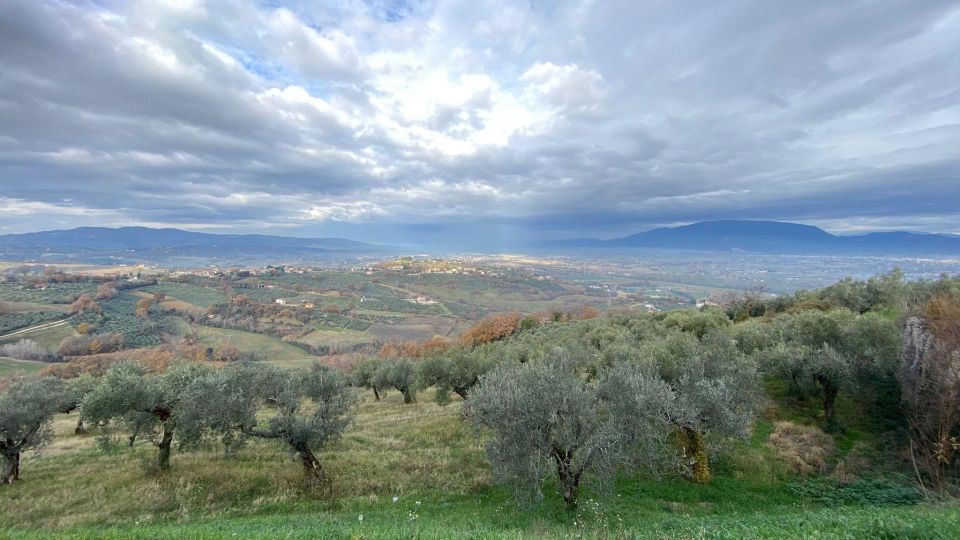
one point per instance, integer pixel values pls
(775, 237)
(143, 244)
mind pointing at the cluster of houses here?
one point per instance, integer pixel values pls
(305, 305)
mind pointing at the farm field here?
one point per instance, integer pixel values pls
(261, 346)
(48, 337)
(336, 338)
(345, 309)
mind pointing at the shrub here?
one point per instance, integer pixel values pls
(699, 322)
(873, 491)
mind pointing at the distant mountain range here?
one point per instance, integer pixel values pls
(775, 237)
(178, 248)
(128, 245)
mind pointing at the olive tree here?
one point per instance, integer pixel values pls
(363, 375)
(455, 370)
(400, 374)
(305, 408)
(824, 353)
(699, 322)
(26, 408)
(148, 405)
(545, 418)
(715, 389)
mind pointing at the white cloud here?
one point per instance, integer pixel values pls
(231, 112)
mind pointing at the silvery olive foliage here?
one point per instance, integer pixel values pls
(400, 374)
(613, 402)
(303, 408)
(455, 371)
(363, 375)
(545, 418)
(148, 405)
(825, 352)
(26, 409)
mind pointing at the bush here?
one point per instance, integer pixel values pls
(875, 491)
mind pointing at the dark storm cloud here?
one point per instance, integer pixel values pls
(567, 119)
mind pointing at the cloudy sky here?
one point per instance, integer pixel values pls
(475, 119)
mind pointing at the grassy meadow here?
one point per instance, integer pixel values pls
(11, 367)
(419, 471)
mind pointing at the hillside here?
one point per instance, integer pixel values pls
(161, 246)
(775, 237)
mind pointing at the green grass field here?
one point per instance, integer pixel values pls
(10, 367)
(431, 461)
(47, 337)
(264, 347)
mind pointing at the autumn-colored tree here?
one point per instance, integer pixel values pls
(491, 329)
(227, 352)
(83, 304)
(435, 344)
(159, 297)
(106, 291)
(84, 328)
(143, 308)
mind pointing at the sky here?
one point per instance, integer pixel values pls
(478, 120)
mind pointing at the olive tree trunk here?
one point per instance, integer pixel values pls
(311, 465)
(166, 443)
(569, 477)
(830, 391)
(11, 468)
(695, 449)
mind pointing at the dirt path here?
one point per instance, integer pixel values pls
(414, 294)
(42, 326)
